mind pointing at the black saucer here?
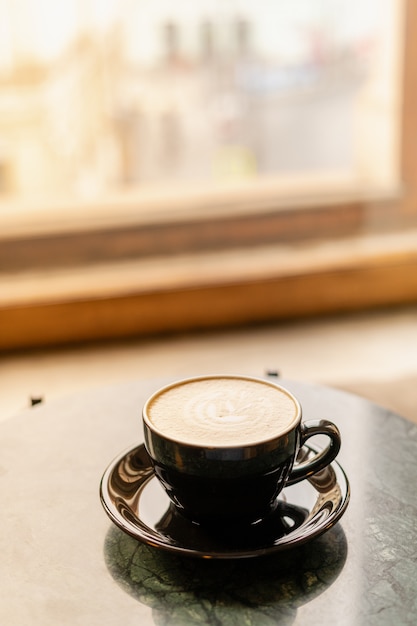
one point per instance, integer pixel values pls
(135, 501)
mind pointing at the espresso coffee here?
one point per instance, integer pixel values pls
(222, 411)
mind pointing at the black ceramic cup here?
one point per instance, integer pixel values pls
(224, 447)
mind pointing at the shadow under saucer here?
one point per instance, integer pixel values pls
(259, 592)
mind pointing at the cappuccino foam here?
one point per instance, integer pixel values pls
(222, 411)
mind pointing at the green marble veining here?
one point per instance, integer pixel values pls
(390, 526)
(262, 592)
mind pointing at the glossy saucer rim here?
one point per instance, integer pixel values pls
(314, 526)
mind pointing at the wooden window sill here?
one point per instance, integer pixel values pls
(206, 290)
(145, 225)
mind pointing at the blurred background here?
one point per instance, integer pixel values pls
(102, 96)
(202, 184)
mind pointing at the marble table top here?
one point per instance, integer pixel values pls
(63, 561)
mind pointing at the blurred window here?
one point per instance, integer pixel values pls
(107, 97)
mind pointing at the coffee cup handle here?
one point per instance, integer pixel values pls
(319, 461)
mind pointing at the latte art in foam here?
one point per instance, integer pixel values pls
(222, 411)
(215, 408)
